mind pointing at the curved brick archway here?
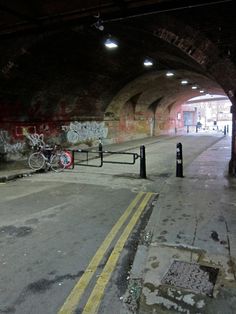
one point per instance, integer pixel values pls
(157, 94)
(62, 77)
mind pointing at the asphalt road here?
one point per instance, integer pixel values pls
(53, 225)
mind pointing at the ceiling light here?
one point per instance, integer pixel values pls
(194, 87)
(169, 74)
(184, 82)
(201, 91)
(111, 43)
(148, 62)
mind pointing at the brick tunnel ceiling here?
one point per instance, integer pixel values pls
(51, 52)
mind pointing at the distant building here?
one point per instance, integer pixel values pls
(212, 112)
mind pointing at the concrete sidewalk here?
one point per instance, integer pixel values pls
(14, 169)
(188, 266)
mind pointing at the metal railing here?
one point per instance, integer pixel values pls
(90, 155)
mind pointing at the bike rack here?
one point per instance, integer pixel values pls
(100, 154)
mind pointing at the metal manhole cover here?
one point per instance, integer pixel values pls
(192, 276)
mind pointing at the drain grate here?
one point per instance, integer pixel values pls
(191, 276)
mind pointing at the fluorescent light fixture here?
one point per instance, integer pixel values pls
(184, 82)
(148, 62)
(110, 43)
(194, 87)
(201, 91)
(169, 74)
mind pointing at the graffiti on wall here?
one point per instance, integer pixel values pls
(83, 131)
(35, 139)
(22, 130)
(5, 145)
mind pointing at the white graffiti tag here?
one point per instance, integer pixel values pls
(82, 131)
(6, 147)
(36, 139)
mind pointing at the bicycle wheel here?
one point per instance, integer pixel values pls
(36, 161)
(56, 163)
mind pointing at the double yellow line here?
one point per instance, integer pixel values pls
(94, 300)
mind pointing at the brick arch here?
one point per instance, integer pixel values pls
(128, 110)
(127, 123)
(128, 92)
(206, 54)
(151, 113)
(150, 87)
(153, 106)
(172, 31)
(193, 44)
(186, 38)
(199, 48)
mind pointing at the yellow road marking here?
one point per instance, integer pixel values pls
(94, 300)
(73, 299)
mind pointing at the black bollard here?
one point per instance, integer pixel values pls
(142, 162)
(100, 148)
(73, 159)
(225, 130)
(100, 144)
(179, 161)
(187, 128)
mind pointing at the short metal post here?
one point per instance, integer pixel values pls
(187, 128)
(196, 128)
(100, 147)
(73, 159)
(179, 161)
(142, 162)
(225, 130)
(100, 144)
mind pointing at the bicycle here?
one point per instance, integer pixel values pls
(49, 158)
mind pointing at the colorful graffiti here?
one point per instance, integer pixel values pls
(16, 140)
(5, 145)
(82, 131)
